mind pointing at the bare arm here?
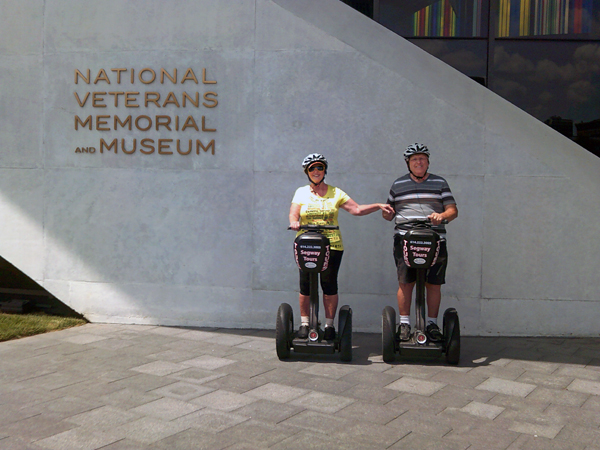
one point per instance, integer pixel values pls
(295, 216)
(362, 210)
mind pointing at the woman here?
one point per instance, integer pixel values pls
(318, 204)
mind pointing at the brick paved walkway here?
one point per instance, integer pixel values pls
(123, 387)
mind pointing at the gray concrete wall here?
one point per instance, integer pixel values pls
(201, 239)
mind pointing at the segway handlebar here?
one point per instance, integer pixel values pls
(317, 227)
(426, 221)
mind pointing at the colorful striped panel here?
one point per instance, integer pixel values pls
(544, 17)
(437, 20)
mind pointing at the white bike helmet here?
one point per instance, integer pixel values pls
(313, 158)
(415, 149)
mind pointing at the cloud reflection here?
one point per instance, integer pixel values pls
(540, 78)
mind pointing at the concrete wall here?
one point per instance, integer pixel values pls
(201, 239)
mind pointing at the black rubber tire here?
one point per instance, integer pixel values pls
(452, 336)
(284, 330)
(345, 317)
(388, 334)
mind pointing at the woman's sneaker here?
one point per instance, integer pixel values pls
(302, 332)
(434, 333)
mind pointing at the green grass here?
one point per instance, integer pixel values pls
(14, 326)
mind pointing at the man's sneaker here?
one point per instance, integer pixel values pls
(404, 332)
(434, 333)
(302, 332)
(329, 334)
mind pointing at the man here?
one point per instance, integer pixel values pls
(420, 194)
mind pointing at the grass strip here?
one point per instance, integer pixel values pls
(15, 326)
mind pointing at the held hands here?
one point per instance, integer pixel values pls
(295, 225)
(387, 211)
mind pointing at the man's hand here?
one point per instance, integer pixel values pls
(435, 218)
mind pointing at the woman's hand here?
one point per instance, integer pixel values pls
(385, 208)
(294, 216)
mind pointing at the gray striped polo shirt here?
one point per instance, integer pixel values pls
(412, 200)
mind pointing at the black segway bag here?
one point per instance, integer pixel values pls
(420, 248)
(311, 250)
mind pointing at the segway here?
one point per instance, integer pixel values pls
(420, 249)
(311, 250)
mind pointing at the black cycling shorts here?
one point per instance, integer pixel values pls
(436, 274)
(328, 278)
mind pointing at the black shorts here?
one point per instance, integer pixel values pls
(328, 278)
(436, 274)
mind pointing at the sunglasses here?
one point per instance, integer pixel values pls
(319, 167)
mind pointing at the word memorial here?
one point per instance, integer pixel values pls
(162, 111)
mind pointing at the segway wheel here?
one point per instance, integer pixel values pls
(345, 329)
(283, 330)
(452, 336)
(388, 334)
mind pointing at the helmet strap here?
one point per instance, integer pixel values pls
(418, 178)
(312, 182)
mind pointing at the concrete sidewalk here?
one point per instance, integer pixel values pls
(124, 387)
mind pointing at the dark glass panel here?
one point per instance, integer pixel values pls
(435, 18)
(557, 82)
(363, 6)
(548, 19)
(466, 56)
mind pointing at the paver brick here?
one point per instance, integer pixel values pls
(160, 368)
(166, 408)
(277, 392)
(333, 371)
(234, 383)
(327, 385)
(416, 386)
(210, 420)
(507, 387)
(223, 400)
(182, 391)
(587, 387)
(369, 412)
(535, 429)
(148, 430)
(103, 418)
(79, 438)
(319, 401)
(268, 411)
(371, 394)
(558, 396)
(208, 362)
(482, 410)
